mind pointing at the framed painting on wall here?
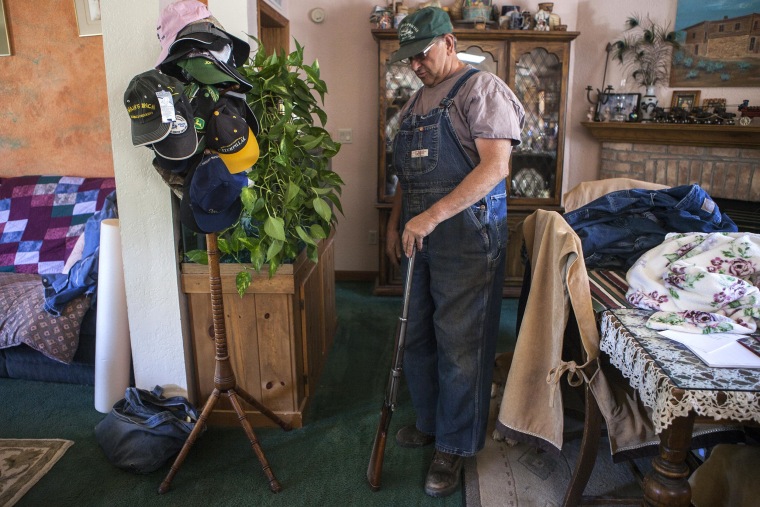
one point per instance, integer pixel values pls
(719, 47)
(279, 5)
(88, 17)
(5, 43)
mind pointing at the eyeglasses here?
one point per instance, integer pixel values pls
(422, 54)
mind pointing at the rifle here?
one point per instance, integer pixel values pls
(375, 468)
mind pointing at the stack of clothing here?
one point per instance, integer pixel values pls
(684, 259)
(619, 227)
(191, 110)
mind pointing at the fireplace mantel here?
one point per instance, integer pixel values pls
(725, 136)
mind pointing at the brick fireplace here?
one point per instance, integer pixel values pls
(723, 160)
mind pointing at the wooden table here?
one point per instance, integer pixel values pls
(678, 387)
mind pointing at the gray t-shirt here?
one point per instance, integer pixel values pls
(485, 107)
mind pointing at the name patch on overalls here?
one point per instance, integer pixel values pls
(419, 153)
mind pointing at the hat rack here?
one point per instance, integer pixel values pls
(225, 382)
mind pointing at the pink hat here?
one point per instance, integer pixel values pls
(174, 18)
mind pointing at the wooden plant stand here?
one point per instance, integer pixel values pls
(224, 382)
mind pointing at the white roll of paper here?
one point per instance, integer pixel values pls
(113, 353)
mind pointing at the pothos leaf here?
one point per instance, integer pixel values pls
(304, 236)
(275, 228)
(293, 191)
(274, 248)
(248, 196)
(198, 256)
(322, 209)
(317, 231)
(242, 282)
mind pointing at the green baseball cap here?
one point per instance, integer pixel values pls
(205, 71)
(419, 29)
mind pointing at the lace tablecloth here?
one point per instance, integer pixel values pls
(670, 379)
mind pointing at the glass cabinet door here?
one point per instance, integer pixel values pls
(400, 85)
(537, 77)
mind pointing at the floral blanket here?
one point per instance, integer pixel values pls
(700, 283)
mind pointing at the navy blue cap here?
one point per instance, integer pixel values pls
(213, 195)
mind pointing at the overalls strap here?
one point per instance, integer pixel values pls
(448, 99)
(446, 102)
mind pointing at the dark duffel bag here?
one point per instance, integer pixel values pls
(144, 430)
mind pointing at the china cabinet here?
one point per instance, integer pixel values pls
(535, 66)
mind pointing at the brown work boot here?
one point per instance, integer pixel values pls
(444, 474)
(410, 436)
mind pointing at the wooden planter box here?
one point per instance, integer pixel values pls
(278, 334)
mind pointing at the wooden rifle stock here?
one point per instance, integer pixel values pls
(375, 468)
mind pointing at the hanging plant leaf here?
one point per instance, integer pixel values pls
(304, 236)
(242, 282)
(317, 232)
(323, 209)
(197, 256)
(248, 197)
(293, 191)
(274, 248)
(274, 228)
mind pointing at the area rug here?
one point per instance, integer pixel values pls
(521, 476)
(23, 462)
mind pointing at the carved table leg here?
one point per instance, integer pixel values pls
(666, 485)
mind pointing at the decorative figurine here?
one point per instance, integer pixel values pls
(542, 21)
(528, 21)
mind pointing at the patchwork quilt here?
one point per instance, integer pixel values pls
(41, 218)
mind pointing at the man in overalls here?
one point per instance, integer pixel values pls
(451, 155)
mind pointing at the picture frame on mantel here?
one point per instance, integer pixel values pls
(685, 99)
(88, 17)
(618, 107)
(5, 43)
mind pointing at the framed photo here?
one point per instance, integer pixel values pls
(685, 99)
(623, 107)
(88, 17)
(712, 104)
(5, 43)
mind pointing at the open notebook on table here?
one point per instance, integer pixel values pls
(719, 350)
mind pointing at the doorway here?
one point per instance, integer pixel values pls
(273, 29)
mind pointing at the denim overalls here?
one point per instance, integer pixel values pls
(456, 295)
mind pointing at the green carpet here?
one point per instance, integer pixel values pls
(322, 464)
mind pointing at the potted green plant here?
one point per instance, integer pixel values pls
(644, 51)
(288, 207)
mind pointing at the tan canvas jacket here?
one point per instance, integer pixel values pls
(532, 408)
